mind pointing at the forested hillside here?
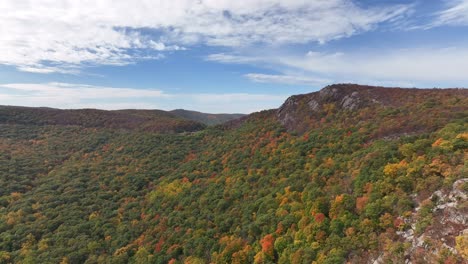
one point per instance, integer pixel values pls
(349, 174)
(140, 120)
(208, 119)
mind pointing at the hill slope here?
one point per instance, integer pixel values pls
(144, 120)
(207, 119)
(336, 184)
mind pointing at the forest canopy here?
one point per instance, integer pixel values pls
(315, 182)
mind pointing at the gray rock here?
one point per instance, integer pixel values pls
(314, 105)
(351, 102)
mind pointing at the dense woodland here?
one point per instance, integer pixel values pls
(338, 184)
(208, 119)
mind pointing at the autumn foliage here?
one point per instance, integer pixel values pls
(336, 182)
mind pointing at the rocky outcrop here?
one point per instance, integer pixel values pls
(450, 220)
(347, 97)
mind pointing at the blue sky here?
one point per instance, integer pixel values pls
(222, 56)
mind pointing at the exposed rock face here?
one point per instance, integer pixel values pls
(450, 219)
(286, 113)
(351, 102)
(346, 97)
(449, 204)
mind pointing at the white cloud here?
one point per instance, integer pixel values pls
(46, 35)
(410, 65)
(231, 58)
(64, 95)
(400, 67)
(233, 103)
(76, 92)
(38, 68)
(233, 97)
(286, 79)
(74, 96)
(455, 14)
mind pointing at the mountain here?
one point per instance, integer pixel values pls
(144, 120)
(392, 111)
(207, 119)
(303, 112)
(351, 173)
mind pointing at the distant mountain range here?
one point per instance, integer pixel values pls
(143, 120)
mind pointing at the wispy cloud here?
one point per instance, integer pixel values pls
(420, 65)
(231, 58)
(286, 79)
(76, 92)
(455, 14)
(394, 67)
(73, 96)
(46, 36)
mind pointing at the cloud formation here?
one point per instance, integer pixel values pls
(422, 65)
(286, 79)
(399, 67)
(455, 14)
(45, 36)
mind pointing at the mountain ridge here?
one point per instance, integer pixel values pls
(141, 117)
(353, 97)
(355, 103)
(144, 120)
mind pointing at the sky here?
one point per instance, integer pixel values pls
(222, 56)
